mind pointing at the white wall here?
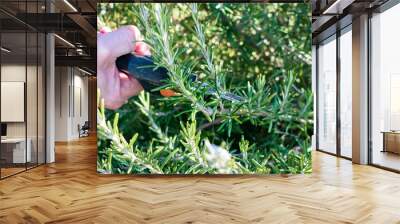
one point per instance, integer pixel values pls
(13, 73)
(13, 100)
(61, 103)
(70, 83)
(33, 127)
(80, 88)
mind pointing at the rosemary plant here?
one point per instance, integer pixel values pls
(198, 132)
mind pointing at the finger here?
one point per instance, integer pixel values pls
(142, 49)
(129, 86)
(108, 81)
(114, 105)
(120, 41)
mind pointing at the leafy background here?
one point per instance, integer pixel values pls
(261, 52)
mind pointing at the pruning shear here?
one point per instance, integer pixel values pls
(143, 69)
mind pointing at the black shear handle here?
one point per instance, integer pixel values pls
(143, 69)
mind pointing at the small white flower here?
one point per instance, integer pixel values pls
(217, 157)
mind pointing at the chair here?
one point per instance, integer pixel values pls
(84, 130)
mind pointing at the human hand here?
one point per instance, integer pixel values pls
(116, 87)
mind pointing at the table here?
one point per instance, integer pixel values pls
(18, 150)
(391, 141)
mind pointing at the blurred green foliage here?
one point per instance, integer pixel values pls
(259, 51)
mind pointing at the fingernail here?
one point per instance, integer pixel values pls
(104, 30)
(137, 48)
(142, 49)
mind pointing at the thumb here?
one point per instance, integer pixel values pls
(142, 48)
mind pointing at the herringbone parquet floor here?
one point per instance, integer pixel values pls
(70, 191)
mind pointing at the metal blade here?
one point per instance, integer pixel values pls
(224, 94)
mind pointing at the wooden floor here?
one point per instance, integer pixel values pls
(70, 191)
(10, 171)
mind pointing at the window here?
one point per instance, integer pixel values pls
(385, 89)
(22, 77)
(327, 95)
(346, 92)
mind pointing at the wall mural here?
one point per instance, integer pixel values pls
(226, 88)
